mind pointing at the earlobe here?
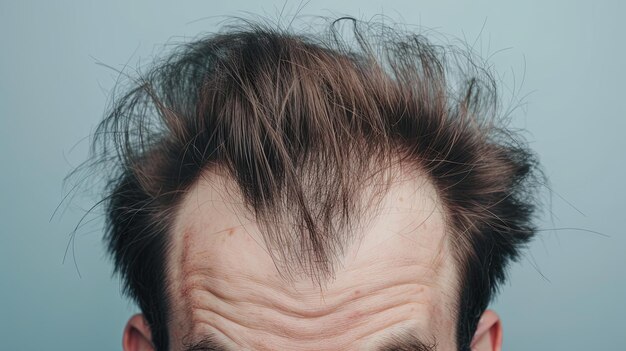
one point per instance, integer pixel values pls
(488, 336)
(137, 335)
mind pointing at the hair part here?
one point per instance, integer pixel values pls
(303, 124)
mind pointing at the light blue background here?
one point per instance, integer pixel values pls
(571, 55)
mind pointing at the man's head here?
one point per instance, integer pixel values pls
(274, 191)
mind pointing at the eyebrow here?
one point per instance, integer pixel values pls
(207, 343)
(396, 341)
(406, 341)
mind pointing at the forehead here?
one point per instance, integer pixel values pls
(395, 275)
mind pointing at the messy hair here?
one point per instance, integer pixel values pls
(303, 122)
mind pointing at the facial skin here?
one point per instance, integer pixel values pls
(397, 279)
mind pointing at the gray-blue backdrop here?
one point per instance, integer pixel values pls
(566, 294)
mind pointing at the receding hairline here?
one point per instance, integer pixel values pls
(222, 184)
(421, 188)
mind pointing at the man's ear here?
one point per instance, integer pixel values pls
(137, 335)
(488, 336)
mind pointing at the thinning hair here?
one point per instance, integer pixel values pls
(303, 122)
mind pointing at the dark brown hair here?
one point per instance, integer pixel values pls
(298, 121)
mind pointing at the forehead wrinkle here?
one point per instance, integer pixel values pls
(251, 292)
(266, 318)
(207, 321)
(210, 284)
(311, 301)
